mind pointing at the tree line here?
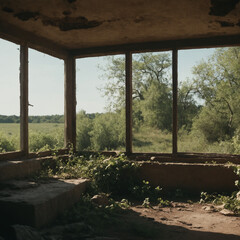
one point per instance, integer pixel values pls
(38, 119)
(33, 119)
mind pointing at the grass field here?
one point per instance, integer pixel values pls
(152, 140)
(145, 140)
(12, 131)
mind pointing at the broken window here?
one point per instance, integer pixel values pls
(9, 97)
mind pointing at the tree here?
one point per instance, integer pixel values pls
(152, 90)
(108, 131)
(147, 69)
(217, 82)
(84, 127)
(188, 107)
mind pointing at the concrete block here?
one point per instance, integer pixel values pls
(20, 169)
(39, 204)
(190, 177)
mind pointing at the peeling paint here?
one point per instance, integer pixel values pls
(222, 7)
(226, 24)
(26, 15)
(68, 23)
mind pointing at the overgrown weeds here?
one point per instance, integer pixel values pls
(229, 202)
(115, 176)
(102, 220)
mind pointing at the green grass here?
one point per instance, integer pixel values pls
(188, 142)
(50, 128)
(12, 131)
(152, 140)
(146, 139)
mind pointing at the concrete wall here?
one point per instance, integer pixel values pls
(189, 177)
(20, 169)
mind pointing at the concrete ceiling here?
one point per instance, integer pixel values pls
(81, 24)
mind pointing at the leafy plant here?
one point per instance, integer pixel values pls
(228, 202)
(164, 203)
(146, 203)
(236, 169)
(115, 205)
(145, 190)
(99, 220)
(114, 175)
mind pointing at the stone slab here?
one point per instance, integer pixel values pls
(20, 168)
(38, 204)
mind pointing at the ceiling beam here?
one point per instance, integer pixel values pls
(22, 37)
(207, 42)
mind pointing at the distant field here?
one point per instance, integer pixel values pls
(37, 133)
(10, 129)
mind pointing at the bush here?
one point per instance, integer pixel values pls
(7, 144)
(84, 127)
(212, 125)
(108, 132)
(229, 202)
(43, 142)
(115, 176)
(236, 141)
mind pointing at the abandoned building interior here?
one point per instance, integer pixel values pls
(72, 29)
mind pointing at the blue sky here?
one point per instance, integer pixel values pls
(46, 80)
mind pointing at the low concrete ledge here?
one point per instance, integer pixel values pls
(39, 204)
(190, 177)
(20, 169)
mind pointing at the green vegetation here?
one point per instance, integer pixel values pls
(104, 132)
(230, 202)
(115, 176)
(33, 119)
(113, 219)
(6, 144)
(208, 109)
(42, 136)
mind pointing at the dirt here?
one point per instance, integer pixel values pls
(183, 221)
